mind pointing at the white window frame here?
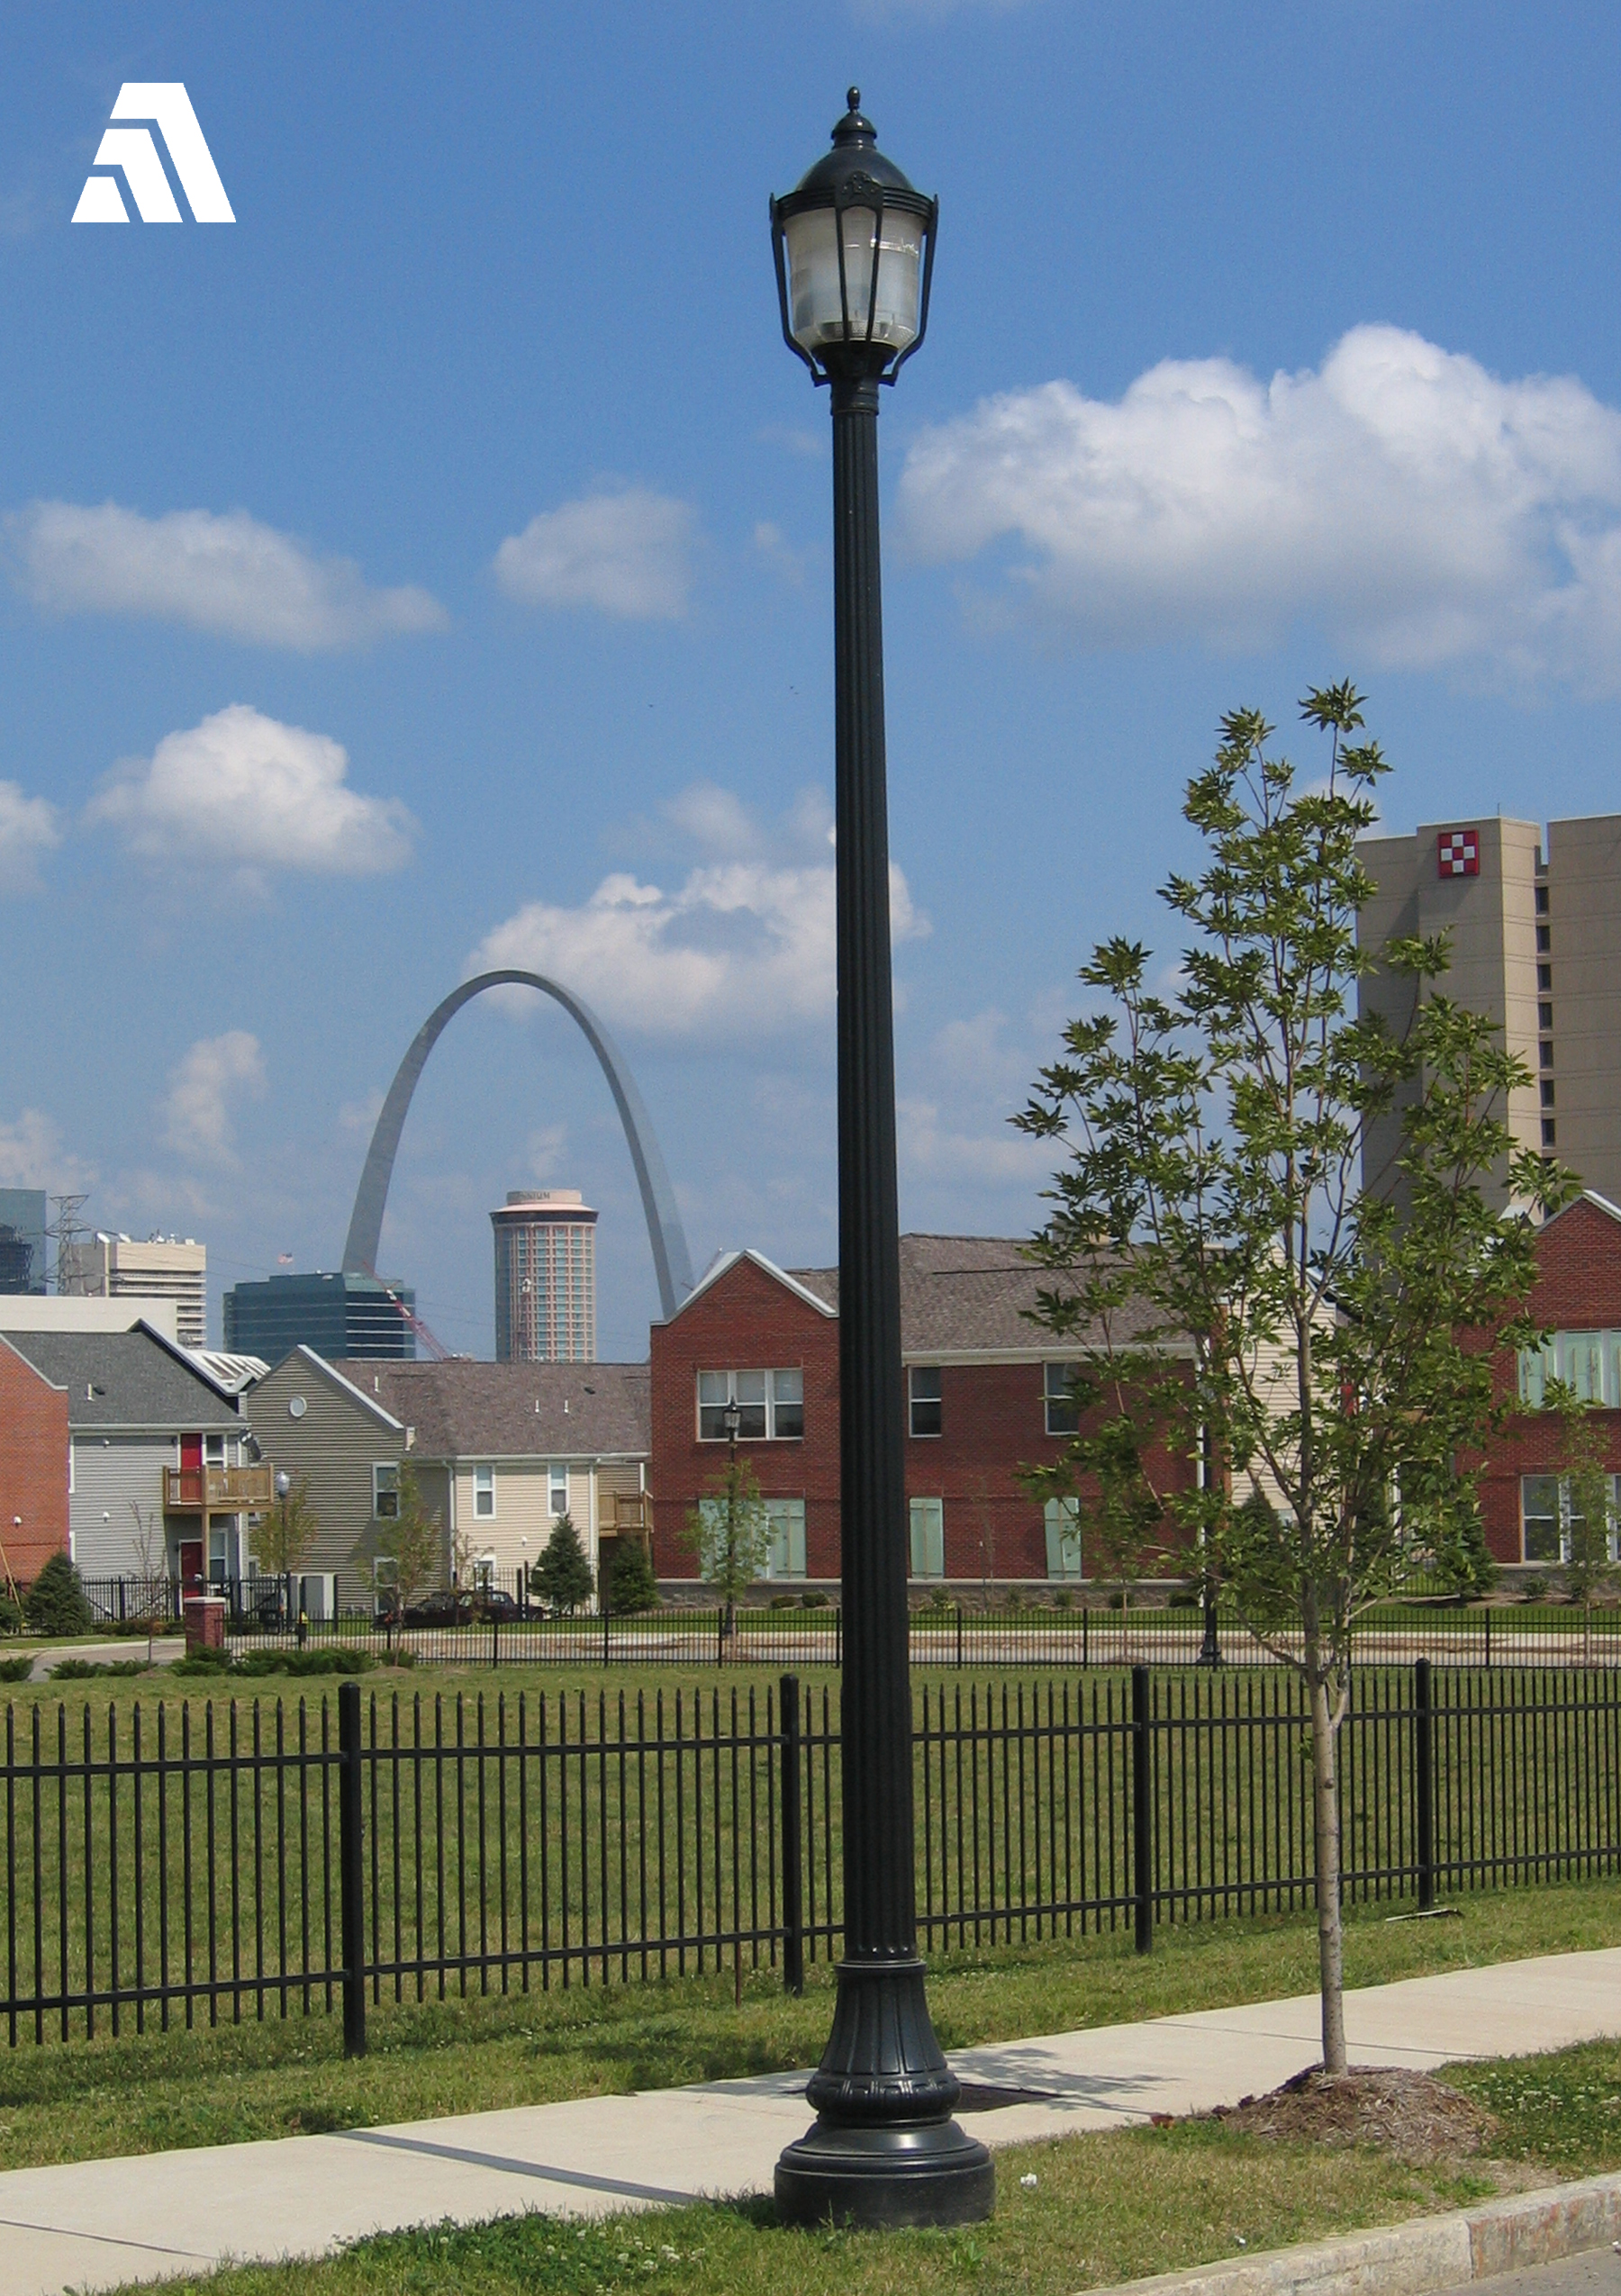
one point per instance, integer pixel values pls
(1060, 1520)
(389, 1489)
(1613, 1539)
(935, 1402)
(484, 1489)
(557, 1487)
(782, 1395)
(1055, 1396)
(927, 1527)
(785, 1527)
(1588, 1361)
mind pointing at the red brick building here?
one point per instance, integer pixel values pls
(1576, 1299)
(33, 1465)
(985, 1396)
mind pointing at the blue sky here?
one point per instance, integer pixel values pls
(434, 563)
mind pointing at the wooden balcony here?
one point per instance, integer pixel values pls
(622, 1514)
(216, 1490)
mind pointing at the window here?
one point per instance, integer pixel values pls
(386, 1582)
(1544, 938)
(213, 1451)
(1544, 1052)
(1547, 1088)
(1546, 1521)
(1063, 1519)
(771, 1405)
(1545, 1015)
(1542, 900)
(1545, 977)
(556, 1490)
(1550, 1138)
(386, 1491)
(923, 1384)
(1589, 1363)
(484, 1494)
(928, 1538)
(1058, 1382)
(785, 1521)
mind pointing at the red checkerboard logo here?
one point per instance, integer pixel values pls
(1458, 853)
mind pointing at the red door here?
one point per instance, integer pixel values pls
(191, 1565)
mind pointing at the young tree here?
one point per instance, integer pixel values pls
(286, 1534)
(562, 1578)
(412, 1539)
(730, 1532)
(1240, 1290)
(631, 1585)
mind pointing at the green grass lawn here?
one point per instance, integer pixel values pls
(1105, 2207)
(278, 2079)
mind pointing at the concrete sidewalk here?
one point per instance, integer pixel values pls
(97, 2224)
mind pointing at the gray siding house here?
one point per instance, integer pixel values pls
(163, 1476)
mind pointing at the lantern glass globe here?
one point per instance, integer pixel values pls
(818, 298)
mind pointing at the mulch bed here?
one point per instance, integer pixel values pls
(1411, 2116)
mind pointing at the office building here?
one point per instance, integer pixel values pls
(22, 1216)
(545, 1277)
(338, 1315)
(163, 1267)
(1536, 935)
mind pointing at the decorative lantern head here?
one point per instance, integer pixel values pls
(855, 250)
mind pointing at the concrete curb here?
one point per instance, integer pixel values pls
(1417, 2259)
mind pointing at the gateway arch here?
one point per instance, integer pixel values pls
(664, 1233)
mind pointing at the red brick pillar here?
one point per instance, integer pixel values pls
(206, 1621)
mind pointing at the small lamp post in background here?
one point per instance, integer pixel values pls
(853, 246)
(732, 1420)
(284, 1485)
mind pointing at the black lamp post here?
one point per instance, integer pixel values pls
(733, 1418)
(855, 250)
(283, 1484)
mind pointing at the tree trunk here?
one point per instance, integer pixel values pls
(1331, 1959)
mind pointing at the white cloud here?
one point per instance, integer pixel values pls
(226, 574)
(745, 946)
(1409, 503)
(29, 829)
(777, 551)
(628, 553)
(247, 792)
(31, 1155)
(931, 1147)
(197, 1110)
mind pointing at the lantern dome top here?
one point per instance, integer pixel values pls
(855, 153)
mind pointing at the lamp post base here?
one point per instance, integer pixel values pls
(898, 2173)
(884, 2150)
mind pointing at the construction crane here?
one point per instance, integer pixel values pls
(437, 1352)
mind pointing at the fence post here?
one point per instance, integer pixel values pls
(1489, 1633)
(1085, 1633)
(838, 1634)
(1424, 1756)
(793, 1892)
(351, 1867)
(959, 1645)
(1141, 1845)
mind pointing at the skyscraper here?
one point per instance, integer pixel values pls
(23, 1213)
(1536, 936)
(545, 1277)
(163, 1267)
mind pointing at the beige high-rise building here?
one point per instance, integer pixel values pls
(545, 1277)
(163, 1267)
(1536, 944)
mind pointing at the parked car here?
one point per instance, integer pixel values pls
(440, 1610)
(494, 1602)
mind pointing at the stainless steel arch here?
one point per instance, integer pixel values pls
(665, 1232)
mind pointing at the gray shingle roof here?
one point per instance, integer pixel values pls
(463, 1410)
(961, 1295)
(125, 1379)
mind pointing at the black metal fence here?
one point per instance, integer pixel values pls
(229, 1860)
(943, 1634)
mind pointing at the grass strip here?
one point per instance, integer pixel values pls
(239, 2083)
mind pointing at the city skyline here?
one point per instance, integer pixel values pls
(360, 636)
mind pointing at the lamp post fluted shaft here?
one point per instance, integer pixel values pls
(884, 2150)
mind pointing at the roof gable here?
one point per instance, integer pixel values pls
(134, 1378)
(725, 1262)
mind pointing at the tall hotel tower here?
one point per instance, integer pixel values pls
(545, 1277)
